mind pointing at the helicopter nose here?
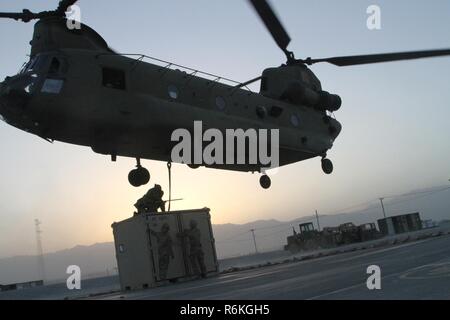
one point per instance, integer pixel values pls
(334, 129)
(2, 107)
(12, 104)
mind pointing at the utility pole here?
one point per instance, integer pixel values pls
(40, 252)
(318, 223)
(382, 206)
(254, 240)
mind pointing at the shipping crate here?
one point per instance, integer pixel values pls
(159, 248)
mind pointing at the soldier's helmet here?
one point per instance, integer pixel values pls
(157, 186)
(193, 224)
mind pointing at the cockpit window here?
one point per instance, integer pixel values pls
(35, 64)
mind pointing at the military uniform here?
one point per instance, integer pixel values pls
(196, 254)
(151, 201)
(165, 251)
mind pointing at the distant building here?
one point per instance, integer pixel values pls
(400, 224)
(426, 224)
(23, 285)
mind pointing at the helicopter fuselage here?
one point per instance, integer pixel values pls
(76, 90)
(126, 107)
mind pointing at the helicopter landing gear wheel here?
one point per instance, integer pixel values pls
(265, 181)
(327, 166)
(139, 176)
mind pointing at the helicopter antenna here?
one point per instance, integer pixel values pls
(281, 37)
(26, 15)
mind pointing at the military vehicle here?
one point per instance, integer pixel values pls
(77, 90)
(368, 231)
(307, 239)
(310, 239)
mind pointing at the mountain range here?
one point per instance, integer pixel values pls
(232, 240)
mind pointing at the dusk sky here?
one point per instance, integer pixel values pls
(395, 116)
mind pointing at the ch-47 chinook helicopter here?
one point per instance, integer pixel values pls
(75, 89)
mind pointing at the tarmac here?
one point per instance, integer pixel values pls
(411, 270)
(413, 266)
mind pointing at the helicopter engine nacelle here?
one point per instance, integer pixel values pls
(298, 93)
(298, 85)
(329, 101)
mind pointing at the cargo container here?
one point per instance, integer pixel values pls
(161, 248)
(400, 223)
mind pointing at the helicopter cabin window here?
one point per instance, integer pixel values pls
(114, 78)
(172, 90)
(220, 103)
(261, 112)
(275, 111)
(295, 120)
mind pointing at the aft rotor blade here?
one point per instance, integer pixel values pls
(272, 23)
(378, 58)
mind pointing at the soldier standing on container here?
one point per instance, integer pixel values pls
(151, 201)
(165, 251)
(196, 254)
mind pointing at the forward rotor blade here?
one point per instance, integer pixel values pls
(64, 5)
(25, 16)
(272, 23)
(378, 58)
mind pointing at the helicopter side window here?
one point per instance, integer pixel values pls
(172, 91)
(261, 112)
(54, 66)
(275, 111)
(221, 104)
(114, 78)
(295, 120)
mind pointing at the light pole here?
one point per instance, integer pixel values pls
(40, 252)
(254, 240)
(382, 206)
(318, 223)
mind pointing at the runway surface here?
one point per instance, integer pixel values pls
(415, 270)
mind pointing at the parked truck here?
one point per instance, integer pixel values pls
(310, 239)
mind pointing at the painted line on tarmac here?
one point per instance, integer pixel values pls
(396, 274)
(406, 275)
(381, 251)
